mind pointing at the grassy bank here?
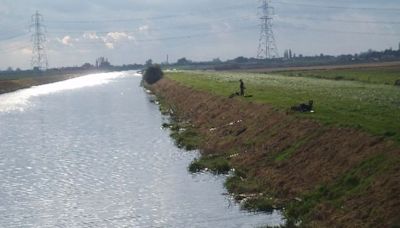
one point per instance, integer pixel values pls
(374, 107)
(322, 173)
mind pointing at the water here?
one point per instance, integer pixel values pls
(89, 152)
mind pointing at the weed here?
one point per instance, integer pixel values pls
(351, 183)
(263, 204)
(215, 164)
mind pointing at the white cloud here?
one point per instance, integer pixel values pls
(144, 28)
(26, 51)
(90, 36)
(112, 38)
(67, 40)
(109, 45)
(118, 36)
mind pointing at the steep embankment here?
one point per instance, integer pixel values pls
(321, 175)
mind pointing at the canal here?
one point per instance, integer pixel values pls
(90, 152)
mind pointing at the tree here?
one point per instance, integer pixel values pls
(102, 62)
(153, 74)
(149, 62)
(87, 66)
(183, 61)
(217, 60)
(286, 54)
(241, 59)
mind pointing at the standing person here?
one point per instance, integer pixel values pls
(242, 88)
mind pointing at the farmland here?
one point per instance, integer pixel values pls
(362, 99)
(376, 75)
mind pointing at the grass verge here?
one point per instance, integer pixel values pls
(349, 185)
(372, 107)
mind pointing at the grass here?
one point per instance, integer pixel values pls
(289, 151)
(370, 106)
(378, 75)
(215, 164)
(259, 204)
(373, 107)
(239, 185)
(184, 135)
(350, 184)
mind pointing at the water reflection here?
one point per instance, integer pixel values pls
(19, 100)
(96, 157)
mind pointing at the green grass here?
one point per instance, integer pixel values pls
(289, 151)
(185, 136)
(373, 107)
(215, 164)
(239, 185)
(349, 185)
(259, 204)
(381, 75)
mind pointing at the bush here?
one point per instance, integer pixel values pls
(153, 74)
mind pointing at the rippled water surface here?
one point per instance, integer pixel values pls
(89, 152)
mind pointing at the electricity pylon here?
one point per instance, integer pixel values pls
(39, 57)
(267, 47)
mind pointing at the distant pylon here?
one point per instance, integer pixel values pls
(267, 47)
(39, 57)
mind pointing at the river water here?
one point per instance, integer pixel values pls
(89, 152)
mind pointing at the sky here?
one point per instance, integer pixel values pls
(132, 31)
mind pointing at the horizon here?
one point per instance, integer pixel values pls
(128, 32)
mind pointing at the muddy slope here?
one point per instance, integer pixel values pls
(293, 156)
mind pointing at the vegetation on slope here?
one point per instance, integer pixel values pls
(374, 107)
(321, 175)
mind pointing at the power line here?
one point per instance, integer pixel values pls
(13, 49)
(13, 36)
(338, 7)
(346, 32)
(161, 17)
(114, 20)
(344, 20)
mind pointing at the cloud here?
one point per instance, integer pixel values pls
(99, 27)
(90, 36)
(118, 36)
(144, 28)
(66, 40)
(113, 38)
(109, 45)
(26, 51)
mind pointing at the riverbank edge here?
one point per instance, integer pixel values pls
(275, 157)
(12, 85)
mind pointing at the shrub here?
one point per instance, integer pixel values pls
(153, 74)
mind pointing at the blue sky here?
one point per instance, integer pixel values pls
(132, 31)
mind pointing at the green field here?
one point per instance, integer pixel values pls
(372, 106)
(376, 75)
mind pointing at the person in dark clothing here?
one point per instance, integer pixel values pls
(303, 107)
(242, 88)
